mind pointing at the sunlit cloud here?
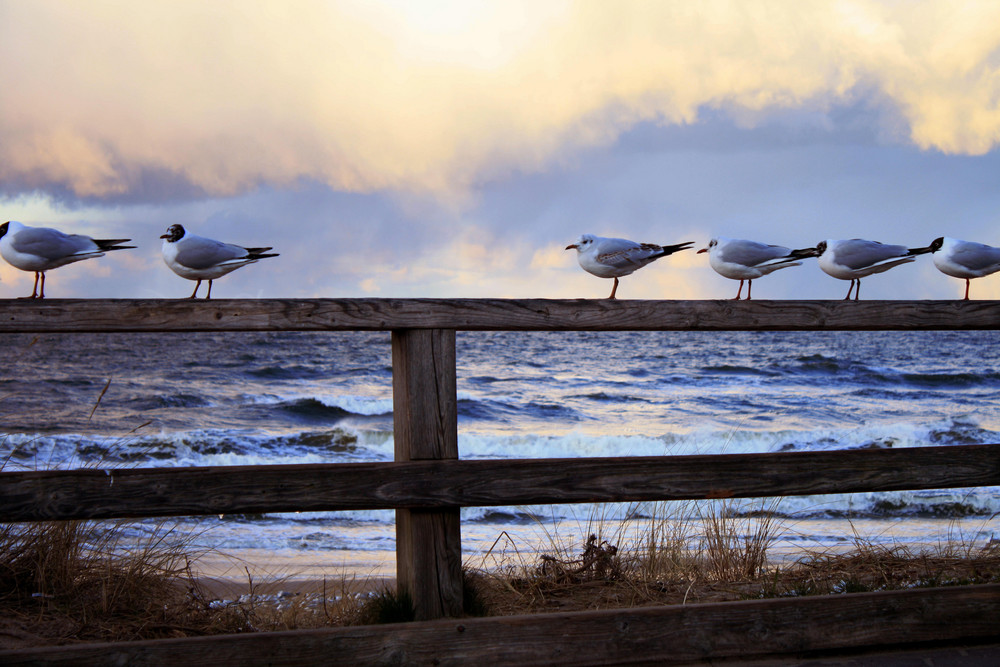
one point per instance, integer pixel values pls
(111, 100)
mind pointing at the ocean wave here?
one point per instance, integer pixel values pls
(313, 409)
(842, 371)
(290, 372)
(846, 371)
(501, 515)
(487, 379)
(571, 445)
(727, 369)
(321, 541)
(500, 412)
(485, 410)
(889, 507)
(943, 504)
(604, 397)
(546, 410)
(949, 380)
(738, 440)
(960, 431)
(323, 407)
(819, 363)
(208, 447)
(886, 394)
(335, 441)
(246, 446)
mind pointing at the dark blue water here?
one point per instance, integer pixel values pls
(228, 399)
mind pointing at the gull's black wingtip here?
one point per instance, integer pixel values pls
(677, 247)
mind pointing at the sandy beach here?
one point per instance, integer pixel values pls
(266, 572)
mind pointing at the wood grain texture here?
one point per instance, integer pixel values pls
(142, 492)
(429, 561)
(424, 394)
(425, 427)
(653, 635)
(147, 315)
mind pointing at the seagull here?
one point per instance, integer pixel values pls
(197, 258)
(40, 249)
(965, 259)
(856, 258)
(614, 258)
(741, 260)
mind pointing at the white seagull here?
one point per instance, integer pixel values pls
(741, 260)
(614, 258)
(198, 258)
(40, 249)
(965, 259)
(854, 259)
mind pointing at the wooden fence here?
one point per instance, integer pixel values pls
(427, 484)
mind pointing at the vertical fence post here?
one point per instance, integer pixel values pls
(425, 425)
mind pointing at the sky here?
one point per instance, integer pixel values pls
(454, 148)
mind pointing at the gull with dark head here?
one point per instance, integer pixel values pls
(614, 258)
(965, 259)
(854, 259)
(739, 259)
(198, 258)
(40, 249)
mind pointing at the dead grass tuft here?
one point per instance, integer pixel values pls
(70, 581)
(87, 580)
(736, 541)
(722, 556)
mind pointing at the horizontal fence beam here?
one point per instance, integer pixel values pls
(149, 492)
(762, 630)
(162, 315)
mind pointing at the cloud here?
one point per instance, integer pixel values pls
(149, 101)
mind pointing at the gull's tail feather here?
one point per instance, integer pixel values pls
(113, 244)
(803, 253)
(671, 249)
(920, 251)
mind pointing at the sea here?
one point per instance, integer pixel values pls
(209, 399)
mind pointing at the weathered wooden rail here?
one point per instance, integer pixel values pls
(153, 492)
(157, 315)
(428, 483)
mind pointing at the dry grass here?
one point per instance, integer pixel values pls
(881, 569)
(814, 575)
(72, 581)
(737, 540)
(725, 559)
(81, 580)
(67, 582)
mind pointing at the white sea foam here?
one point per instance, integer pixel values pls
(247, 446)
(354, 404)
(359, 405)
(576, 443)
